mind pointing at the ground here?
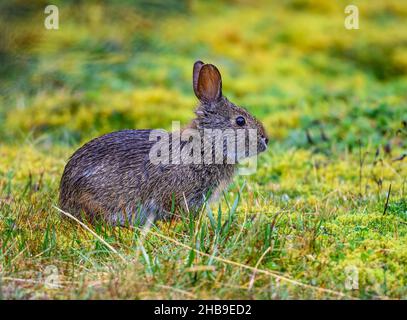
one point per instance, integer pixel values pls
(324, 215)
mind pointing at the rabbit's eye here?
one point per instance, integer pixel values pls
(240, 121)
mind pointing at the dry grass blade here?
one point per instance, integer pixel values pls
(256, 266)
(92, 232)
(30, 281)
(189, 294)
(387, 200)
(254, 269)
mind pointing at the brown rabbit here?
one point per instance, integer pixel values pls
(112, 177)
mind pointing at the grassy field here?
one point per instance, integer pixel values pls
(329, 198)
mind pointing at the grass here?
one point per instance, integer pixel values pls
(332, 100)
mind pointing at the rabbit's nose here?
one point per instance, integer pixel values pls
(265, 141)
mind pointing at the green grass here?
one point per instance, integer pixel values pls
(333, 102)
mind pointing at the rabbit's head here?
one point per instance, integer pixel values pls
(215, 111)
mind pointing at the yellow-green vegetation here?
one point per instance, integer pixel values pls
(334, 102)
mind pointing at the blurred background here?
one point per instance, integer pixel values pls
(127, 64)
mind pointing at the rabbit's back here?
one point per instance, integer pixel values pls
(104, 174)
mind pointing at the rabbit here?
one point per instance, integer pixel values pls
(111, 178)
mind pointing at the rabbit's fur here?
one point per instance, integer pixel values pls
(112, 178)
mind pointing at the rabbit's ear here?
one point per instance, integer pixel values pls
(209, 84)
(195, 75)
